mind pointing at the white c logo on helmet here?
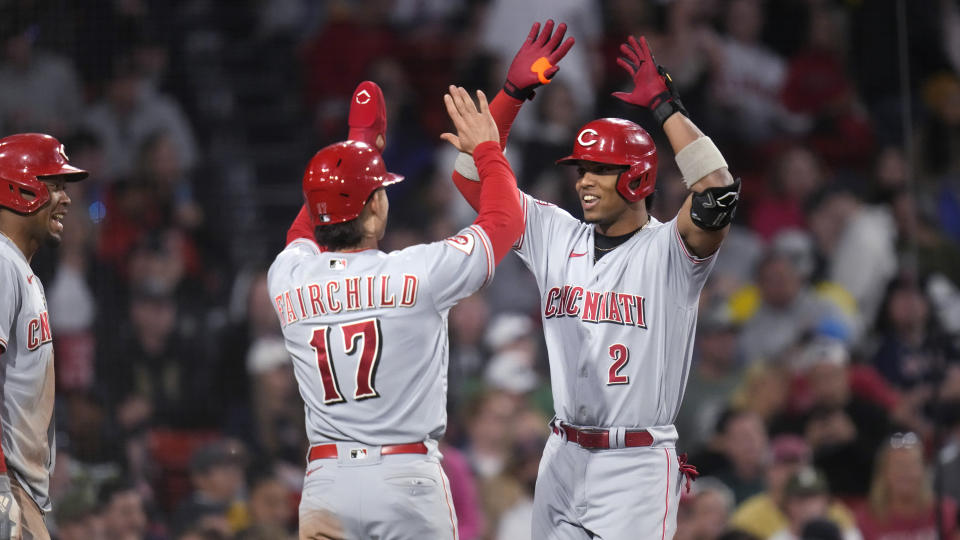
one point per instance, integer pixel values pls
(363, 97)
(589, 131)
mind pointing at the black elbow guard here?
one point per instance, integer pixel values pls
(714, 208)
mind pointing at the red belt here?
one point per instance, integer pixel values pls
(327, 451)
(600, 438)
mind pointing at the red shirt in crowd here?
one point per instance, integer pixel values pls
(893, 527)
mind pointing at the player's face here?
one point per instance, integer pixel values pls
(597, 191)
(47, 223)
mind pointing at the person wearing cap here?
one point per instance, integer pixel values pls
(276, 413)
(715, 374)
(121, 510)
(268, 503)
(370, 346)
(76, 517)
(789, 309)
(34, 172)
(807, 500)
(705, 511)
(148, 369)
(764, 514)
(843, 428)
(741, 445)
(217, 475)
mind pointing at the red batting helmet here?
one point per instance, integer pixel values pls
(619, 142)
(25, 160)
(340, 178)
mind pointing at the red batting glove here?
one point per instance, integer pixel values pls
(652, 86)
(368, 115)
(536, 61)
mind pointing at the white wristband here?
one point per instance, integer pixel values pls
(466, 167)
(698, 159)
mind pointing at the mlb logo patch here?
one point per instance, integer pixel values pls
(338, 264)
(358, 453)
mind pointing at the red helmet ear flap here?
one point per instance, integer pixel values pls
(639, 180)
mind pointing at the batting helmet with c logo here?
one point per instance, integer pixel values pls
(619, 142)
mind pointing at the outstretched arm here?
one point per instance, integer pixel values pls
(534, 65)
(504, 110)
(703, 241)
(705, 216)
(500, 214)
(302, 227)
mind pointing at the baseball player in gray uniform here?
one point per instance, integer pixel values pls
(367, 332)
(619, 296)
(33, 172)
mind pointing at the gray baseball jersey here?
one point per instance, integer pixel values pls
(26, 375)
(619, 333)
(367, 332)
(619, 336)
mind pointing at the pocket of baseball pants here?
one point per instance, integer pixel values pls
(413, 484)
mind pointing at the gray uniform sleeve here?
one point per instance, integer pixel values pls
(543, 222)
(687, 273)
(9, 301)
(456, 267)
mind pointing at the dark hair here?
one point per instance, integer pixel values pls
(339, 235)
(727, 416)
(260, 472)
(110, 489)
(821, 529)
(342, 235)
(736, 534)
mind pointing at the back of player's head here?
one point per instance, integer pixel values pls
(339, 180)
(615, 141)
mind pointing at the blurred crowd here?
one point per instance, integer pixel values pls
(824, 397)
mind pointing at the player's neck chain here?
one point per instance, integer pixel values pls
(612, 242)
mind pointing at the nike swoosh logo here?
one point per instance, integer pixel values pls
(574, 254)
(30, 279)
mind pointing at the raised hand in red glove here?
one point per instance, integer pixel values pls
(652, 86)
(536, 61)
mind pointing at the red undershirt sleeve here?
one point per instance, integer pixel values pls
(500, 214)
(302, 227)
(504, 110)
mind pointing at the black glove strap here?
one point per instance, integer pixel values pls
(665, 105)
(518, 93)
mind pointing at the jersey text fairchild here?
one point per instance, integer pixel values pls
(353, 293)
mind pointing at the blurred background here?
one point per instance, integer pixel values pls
(824, 398)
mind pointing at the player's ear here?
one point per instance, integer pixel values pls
(379, 205)
(374, 214)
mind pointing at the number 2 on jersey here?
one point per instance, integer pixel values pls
(620, 355)
(361, 335)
